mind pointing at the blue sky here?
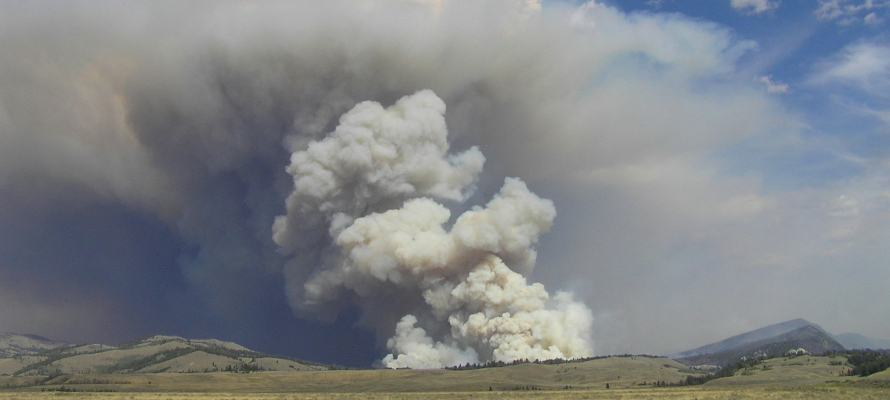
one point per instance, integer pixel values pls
(824, 66)
(716, 166)
(824, 59)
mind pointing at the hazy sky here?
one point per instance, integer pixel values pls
(716, 166)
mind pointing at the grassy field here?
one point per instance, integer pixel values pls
(627, 377)
(700, 393)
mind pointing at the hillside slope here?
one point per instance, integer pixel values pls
(154, 354)
(14, 345)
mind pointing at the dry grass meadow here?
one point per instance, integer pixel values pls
(628, 378)
(700, 393)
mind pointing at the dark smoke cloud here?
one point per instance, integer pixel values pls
(186, 116)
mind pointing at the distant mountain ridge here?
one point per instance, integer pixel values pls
(808, 339)
(27, 354)
(153, 354)
(856, 341)
(776, 340)
(747, 337)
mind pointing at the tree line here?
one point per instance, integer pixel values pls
(867, 362)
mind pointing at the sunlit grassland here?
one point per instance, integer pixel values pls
(628, 378)
(701, 393)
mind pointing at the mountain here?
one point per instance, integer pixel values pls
(774, 340)
(153, 354)
(14, 345)
(856, 341)
(771, 341)
(747, 337)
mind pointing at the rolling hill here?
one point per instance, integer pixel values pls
(154, 354)
(14, 345)
(31, 355)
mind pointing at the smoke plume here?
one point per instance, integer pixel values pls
(144, 147)
(374, 182)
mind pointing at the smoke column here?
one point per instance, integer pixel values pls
(445, 296)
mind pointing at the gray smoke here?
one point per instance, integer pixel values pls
(189, 113)
(198, 116)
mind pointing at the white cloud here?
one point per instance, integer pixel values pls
(829, 9)
(863, 63)
(843, 206)
(754, 6)
(848, 12)
(655, 3)
(773, 87)
(863, 69)
(872, 19)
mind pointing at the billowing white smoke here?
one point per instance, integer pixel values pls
(372, 183)
(374, 157)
